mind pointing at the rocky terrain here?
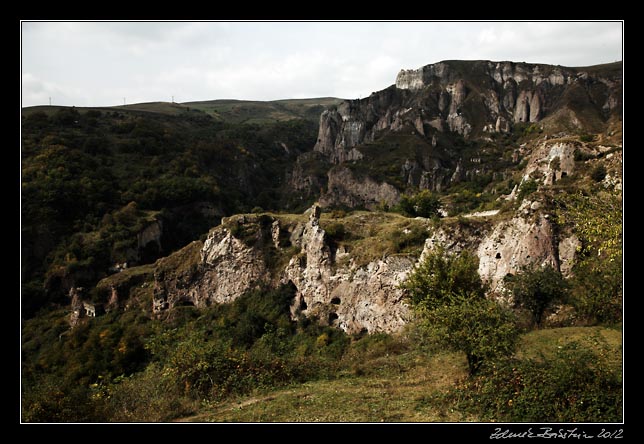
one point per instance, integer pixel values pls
(432, 113)
(440, 108)
(178, 257)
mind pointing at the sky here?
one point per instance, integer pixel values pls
(105, 63)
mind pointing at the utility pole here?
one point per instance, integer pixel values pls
(50, 101)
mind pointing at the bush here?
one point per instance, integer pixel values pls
(599, 173)
(447, 292)
(578, 385)
(422, 204)
(597, 291)
(527, 188)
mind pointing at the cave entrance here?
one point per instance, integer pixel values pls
(332, 318)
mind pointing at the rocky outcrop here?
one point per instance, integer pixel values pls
(354, 299)
(365, 298)
(506, 246)
(219, 271)
(345, 189)
(468, 98)
(551, 161)
(329, 285)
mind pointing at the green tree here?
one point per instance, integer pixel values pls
(447, 292)
(440, 277)
(422, 204)
(482, 329)
(598, 277)
(538, 289)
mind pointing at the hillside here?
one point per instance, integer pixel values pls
(218, 261)
(248, 111)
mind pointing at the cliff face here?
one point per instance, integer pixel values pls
(330, 286)
(438, 126)
(447, 105)
(354, 298)
(468, 98)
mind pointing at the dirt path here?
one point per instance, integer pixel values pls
(233, 405)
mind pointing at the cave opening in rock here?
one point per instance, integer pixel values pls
(332, 318)
(335, 301)
(303, 305)
(498, 255)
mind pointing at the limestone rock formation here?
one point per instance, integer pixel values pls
(467, 98)
(344, 188)
(366, 298)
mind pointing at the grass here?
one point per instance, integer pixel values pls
(180, 262)
(249, 111)
(392, 393)
(370, 235)
(402, 385)
(545, 342)
(375, 234)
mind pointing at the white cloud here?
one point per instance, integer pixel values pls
(99, 63)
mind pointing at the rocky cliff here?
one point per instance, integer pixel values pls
(439, 110)
(331, 285)
(484, 135)
(468, 98)
(337, 292)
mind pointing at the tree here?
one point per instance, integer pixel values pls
(422, 204)
(480, 328)
(440, 277)
(449, 296)
(598, 277)
(537, 290)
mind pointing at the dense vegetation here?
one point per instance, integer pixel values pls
(93, 179)
(577, 384)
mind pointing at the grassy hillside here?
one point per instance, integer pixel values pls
(396, 383)
(248, 111)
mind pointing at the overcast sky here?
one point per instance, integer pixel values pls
(100, 63)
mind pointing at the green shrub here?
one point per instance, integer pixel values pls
(597, 291)
(422, 204)
(441, 277)
(336, 231)
(447, 292)
(599, 173)
(480, 328)
(527, 188)
(577, 385)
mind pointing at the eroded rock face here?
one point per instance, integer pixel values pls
(225, 269)
(328, 285)
(467, 98)
(514, 244)
(346, 189)
(504, 247)
(551, 161)
(354, 299)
